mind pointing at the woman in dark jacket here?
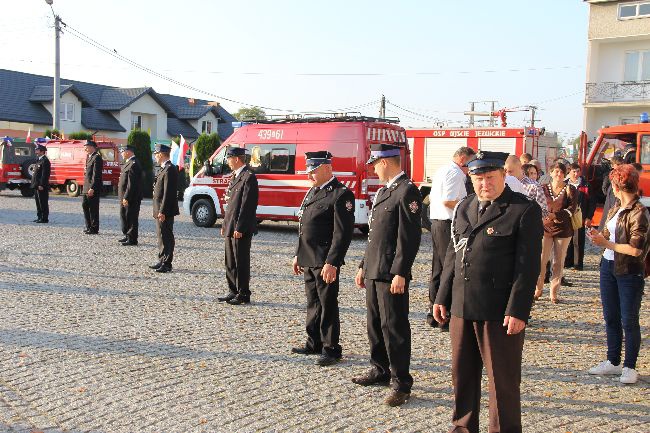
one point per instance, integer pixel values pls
(622, 270)
(562, 201)
(587, 204)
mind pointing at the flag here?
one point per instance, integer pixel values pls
(192, 160)
(173, 154)
(181, 154)
(7, 140)
(29, 136)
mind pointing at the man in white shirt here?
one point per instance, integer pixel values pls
(447, 189)
(530, 188)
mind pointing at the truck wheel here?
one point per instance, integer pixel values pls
(72, 188)
(26, 191)
(364, 229)
(27, 168)
(203, 213)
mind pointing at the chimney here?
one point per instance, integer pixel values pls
(213, 103)
(191, 101)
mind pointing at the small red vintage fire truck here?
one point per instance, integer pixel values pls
(277, 156)
(16, 160)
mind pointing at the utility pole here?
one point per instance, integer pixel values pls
(56, 106)
(491, 116)
(471, 116)
(382, 107)
(532, 115)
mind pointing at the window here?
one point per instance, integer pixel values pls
(53, 153)
(136, 121)
(108, 154)
(272, 158)
(629, 120)
(637, 66)
(66, 111)
(206, 127)
(635, 10)
(22, 151)
(645, 149)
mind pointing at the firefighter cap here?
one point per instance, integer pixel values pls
(90, 143)
(41, 147)
(161, 148)
(235, 151)
(485, 161)
(378, 151)
(313, 160)
(127, 147)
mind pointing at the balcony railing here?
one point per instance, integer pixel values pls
(622, 91)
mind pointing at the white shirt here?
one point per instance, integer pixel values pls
(611, 226)
(448, 185)
(515, 185)
(236, 172)
(392, 181)
(326, 183)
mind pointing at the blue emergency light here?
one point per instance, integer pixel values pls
(644, 117)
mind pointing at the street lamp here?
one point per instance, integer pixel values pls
(57, 70)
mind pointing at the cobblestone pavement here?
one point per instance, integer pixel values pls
(91, 340)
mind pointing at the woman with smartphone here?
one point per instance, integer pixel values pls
(622, 271)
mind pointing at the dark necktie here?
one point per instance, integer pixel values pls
(482, 205)
(313, 192)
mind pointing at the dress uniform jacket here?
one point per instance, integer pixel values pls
(165, 191)
(395, 232)
(326, 226)
(41, 176)
(494, 275)
(93, 174)
(241, 212)
(129, 186)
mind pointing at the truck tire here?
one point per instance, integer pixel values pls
(27, 168)
(26, 191)
(203, 213)
(72, 187)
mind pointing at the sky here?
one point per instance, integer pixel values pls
(429, 58)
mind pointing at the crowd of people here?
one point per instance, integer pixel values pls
(497, 220)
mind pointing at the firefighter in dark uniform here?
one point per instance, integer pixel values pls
(488, 282)
(238, 227)
(324, 236)
(92, 188)
(165, 207)
(129, 193)
(41, 185)
(385, 272)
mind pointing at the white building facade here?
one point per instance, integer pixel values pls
(618, 64)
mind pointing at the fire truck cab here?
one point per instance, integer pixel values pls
(276, 154)
(613, 140)
(16, 165)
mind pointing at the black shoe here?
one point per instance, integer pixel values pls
(129, 243)
(578, 268)
(397, 398)
(124, 239)
(226, 298)
(444, 328)
(326, 360)
(305, 351)
(239, 300)
(371, 378)
(43, 221)
(37, 220)
(91, 232)
(164, 269)
(564, 282)
(155, 266)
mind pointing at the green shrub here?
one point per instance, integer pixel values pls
(52, 133)
(142, 143)
(80, 135)
(205, 147)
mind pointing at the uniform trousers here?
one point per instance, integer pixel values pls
(90, 206)
(238, 265)
(389, 333)
(166, 241)
(475, 344)
(440, 238)
(576, 253)
(42, 198)
(323, 322)
(129, 220)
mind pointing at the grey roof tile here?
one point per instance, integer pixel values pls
(95, 119)
(177, 127)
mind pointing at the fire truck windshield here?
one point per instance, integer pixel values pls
(613, 145)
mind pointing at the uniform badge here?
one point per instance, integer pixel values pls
(414, 206)
(490, 231)
(349, 206)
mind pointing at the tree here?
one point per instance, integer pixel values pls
(205, 147)
(250, 113)
(81, 135)
(142, 143)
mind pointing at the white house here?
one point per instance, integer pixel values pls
(618, 64)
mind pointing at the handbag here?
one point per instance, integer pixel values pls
(576, 217)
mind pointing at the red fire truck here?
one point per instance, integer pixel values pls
(16, 159)
(432, 148)
(612, 140)
(68, 159)
(277, 155)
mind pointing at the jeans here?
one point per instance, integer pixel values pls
(621, 298)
